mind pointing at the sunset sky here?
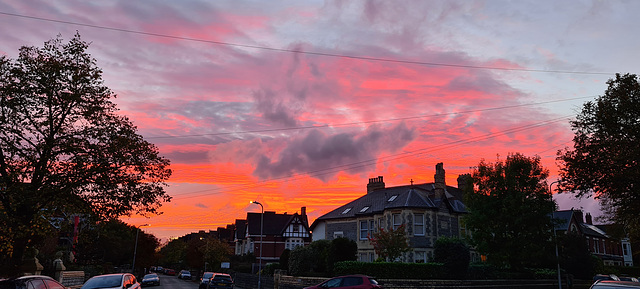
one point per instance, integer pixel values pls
(299, 103)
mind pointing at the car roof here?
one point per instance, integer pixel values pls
(615, 284)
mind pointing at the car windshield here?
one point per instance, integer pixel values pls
(373, 281)
(222, 278)
(103, 282)
(150, 276)
(207, 276)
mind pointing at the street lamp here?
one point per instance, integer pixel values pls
(135, 248)
(261, 226)
(555, 236)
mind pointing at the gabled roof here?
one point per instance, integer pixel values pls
(564, 219)
(241, 229)
(409, 196)
(273, 224)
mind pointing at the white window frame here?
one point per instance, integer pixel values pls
(364, 229)
(418, 225)
(419, 257)
(398, 218)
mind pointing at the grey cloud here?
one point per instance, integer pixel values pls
(322, 156)
(273, 108)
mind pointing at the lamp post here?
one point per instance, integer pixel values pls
(261, 226)
(135, 249)
(555, 236)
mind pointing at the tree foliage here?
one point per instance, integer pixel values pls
(173, 253)
(509, 211)
(454, 254)
(111, 244)
(65, 148)
(605, 160)
(341, 249)
(575, 257)
(390, 244)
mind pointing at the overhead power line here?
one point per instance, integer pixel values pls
(368, 162)
(366, 122)
(356, 57)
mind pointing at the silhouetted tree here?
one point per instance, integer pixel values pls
(604, 161)
(65, 148)
(454, 254)
(341, 249)
(510, 212)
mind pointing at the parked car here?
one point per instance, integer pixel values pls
(205, 280)
(112, 281)
(31, 281)
(605, 277)
(628, 278)
(220, 280)
(612, 284)
(184, 274)
(349, 282)
(170, 272)
(150, 280)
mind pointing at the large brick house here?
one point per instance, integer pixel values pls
(427, 211)
(279, 232)
(612, 251)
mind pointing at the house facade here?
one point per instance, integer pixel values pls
(613, 251)
(279, 232)
(427, 211)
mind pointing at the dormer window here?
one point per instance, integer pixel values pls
(347, 210)
(392, 198)
(364, 209)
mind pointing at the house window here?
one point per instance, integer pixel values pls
(397, 221)
(293, 243)
(372, 227)
(392, 198)
(418, 224)
(347, 210)
(625, 250)
(338, 234)
(363, 257)
(380, 224)
(364, 209)
(419, 257)
(364, 230)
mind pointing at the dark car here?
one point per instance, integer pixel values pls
(220, 280)
(205, 279)
(150, 280)
(32, 281)
(170, 272)
(348, 282)
(115, 281)
(612, 284)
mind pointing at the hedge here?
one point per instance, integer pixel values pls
(386, 270)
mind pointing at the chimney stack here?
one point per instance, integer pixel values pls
(303, 211)
(439, 181)
(588, 218)
(375, 184)
(464, 181)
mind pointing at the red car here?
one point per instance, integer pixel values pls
(348, 282)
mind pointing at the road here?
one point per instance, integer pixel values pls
(172, 282)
